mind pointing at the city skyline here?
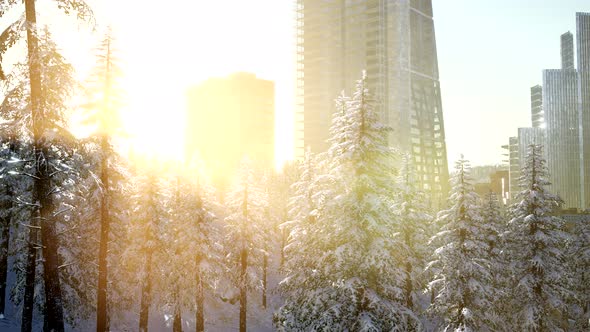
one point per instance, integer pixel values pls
(486, 81)
(475, 88)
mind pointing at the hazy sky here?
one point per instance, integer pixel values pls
(490, 54)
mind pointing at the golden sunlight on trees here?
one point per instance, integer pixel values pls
(139, 195)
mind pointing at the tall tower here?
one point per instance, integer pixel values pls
(583, 55)
(560, 101)
(567, 51)
(537, 116)
(514, 166)
(394, 41)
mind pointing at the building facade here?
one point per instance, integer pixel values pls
(567, 50)
(537, 117)
(562, 144)
(229, 119)
(583, 55)
(513, 166)
(394, 41)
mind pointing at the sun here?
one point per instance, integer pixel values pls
(153, 120)
(169, 49)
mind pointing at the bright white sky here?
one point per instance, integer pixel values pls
(490, 54)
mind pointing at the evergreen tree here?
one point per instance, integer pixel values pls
(354, 281)
(146, 247)
(105, 100)
(495, 226)
(190, 236)
(280, 193)
(85, 230)
(246, 205)
(11, 163)
(55, 186)
(414, 220)
(461, 277)
(39, 93)
(536, 251)
(579, 259)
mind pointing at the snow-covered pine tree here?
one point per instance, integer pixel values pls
(579, 260)
(81, 265)
(354, 281)
(414, 220)
(46, 143)
(495, 226)
(41, 188)
(13, 190)
(494, 222)
(536, 251)
(204, 240)
(246, 204)
(176, 229)
(190, 236)
(280, 193)
(299, 259)
(145, 231)
(268, 225)
(461, 278)
(12, 162)
(105, 98)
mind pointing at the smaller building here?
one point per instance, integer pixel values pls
(537, 117)
(229, 119)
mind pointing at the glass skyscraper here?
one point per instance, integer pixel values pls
(394, 41)
(583, 55)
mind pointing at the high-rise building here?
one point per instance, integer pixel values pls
(527, 137)
(537, 106)
(567, 51)
(517, 152)
(562, 144)
(229, 119)
(513, 166)
(583, 55)
(394, 41)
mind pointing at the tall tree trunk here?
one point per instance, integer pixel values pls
(409, 288)
(264, 282)
(4, 242)
(243, 288)
(146, 296)
(200, 321)
(283, 244)
(35, 83)
(177, 324)
(101, 301)
(29, 292)
(53, 296)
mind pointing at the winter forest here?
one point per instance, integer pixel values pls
(339, 241)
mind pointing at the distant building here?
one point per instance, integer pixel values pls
(562, 106)
(394, 41)
(567, 51)
(499, 184)
(229, 119)
(513, 166)
(526, 138)
(583, 55)
(518, 152)
(537, 117)
(562, 144)
(495, 182)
